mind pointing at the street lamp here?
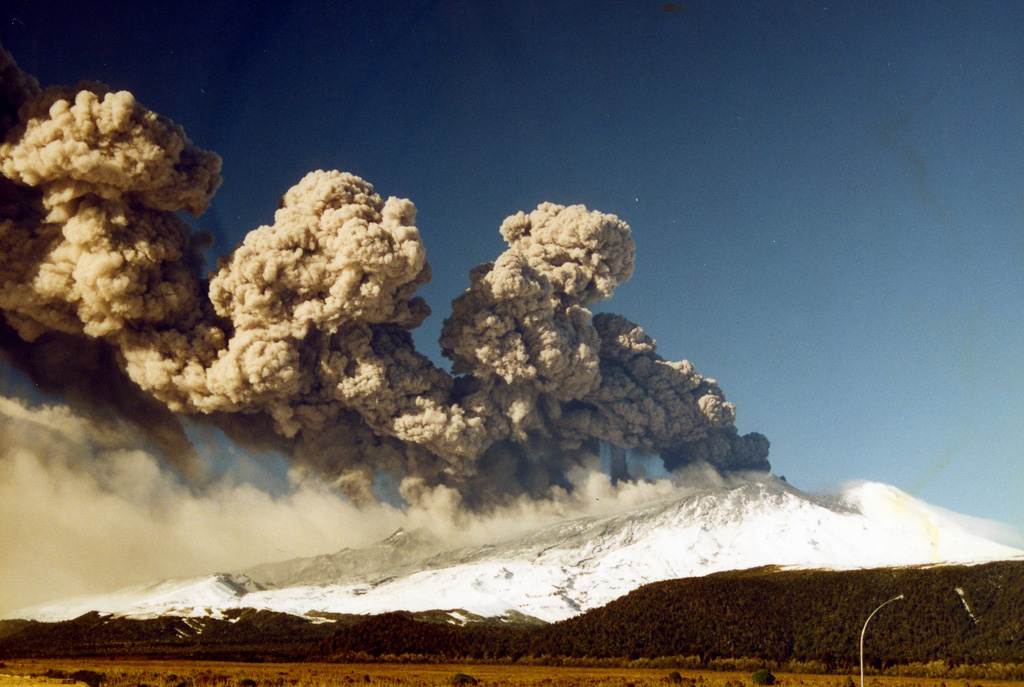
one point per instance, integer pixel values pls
(865, 629)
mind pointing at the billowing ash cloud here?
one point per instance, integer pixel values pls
(300, 339)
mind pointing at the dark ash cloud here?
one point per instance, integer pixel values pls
(300, 338)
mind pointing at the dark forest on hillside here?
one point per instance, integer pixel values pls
(955, 614)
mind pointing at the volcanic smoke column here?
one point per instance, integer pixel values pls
(300, 339)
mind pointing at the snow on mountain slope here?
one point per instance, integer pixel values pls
(565, 569)
(402, 551)
(201, 596)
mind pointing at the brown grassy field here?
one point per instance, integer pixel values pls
(149, 673)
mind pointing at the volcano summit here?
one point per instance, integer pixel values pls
(563, 570)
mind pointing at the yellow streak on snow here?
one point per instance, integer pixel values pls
(907, 510)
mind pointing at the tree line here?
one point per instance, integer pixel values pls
(958, 615)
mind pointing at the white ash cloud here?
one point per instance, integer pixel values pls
(300, 339)
(86, 510)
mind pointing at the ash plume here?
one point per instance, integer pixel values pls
(300, 339)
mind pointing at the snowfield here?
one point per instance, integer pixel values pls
(566, 569)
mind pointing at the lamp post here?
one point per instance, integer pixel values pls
(865, 629)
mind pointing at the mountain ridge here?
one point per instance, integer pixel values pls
(565, 569)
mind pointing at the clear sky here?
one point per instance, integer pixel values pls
(826, 198)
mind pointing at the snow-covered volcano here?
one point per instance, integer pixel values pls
(565, 569)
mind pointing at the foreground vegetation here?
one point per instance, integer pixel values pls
(147, 673)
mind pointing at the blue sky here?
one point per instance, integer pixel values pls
(826, 198)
